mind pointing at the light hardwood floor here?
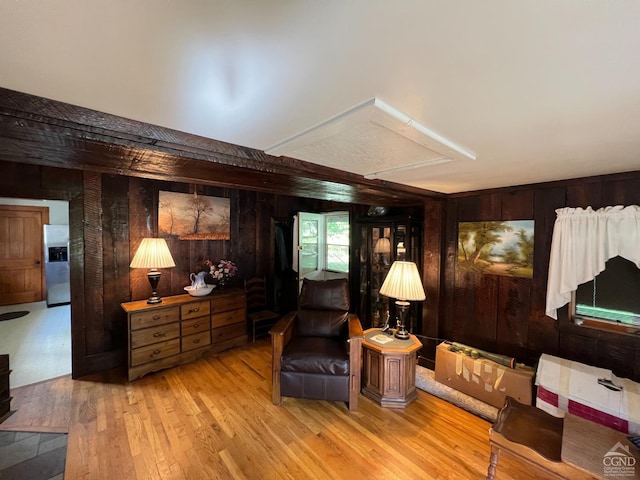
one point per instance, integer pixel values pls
(213, 419)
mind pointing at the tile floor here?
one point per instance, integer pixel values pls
(33, 456)
(39, 344)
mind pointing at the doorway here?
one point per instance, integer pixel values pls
(322, 243)
(38, 339)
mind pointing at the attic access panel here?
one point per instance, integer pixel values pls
(372, 139)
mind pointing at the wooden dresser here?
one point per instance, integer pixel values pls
(182, 328)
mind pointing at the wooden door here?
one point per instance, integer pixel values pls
(21, 253)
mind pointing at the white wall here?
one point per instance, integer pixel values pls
(58, 209)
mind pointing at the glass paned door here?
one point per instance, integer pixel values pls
(310, 233)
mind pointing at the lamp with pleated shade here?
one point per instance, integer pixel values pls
(403, 283)
(153, 253)
(383, 249)
(383, 245)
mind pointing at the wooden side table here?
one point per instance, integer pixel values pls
(389, 369)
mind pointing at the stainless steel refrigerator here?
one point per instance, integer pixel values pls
(56, 264)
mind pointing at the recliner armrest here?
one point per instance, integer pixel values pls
(355, 360)
(281, 333)
(283, 325)
(355, 327)
(280, 336)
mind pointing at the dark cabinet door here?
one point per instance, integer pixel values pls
(378, 242)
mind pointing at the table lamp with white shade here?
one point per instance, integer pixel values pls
(153, 253)
(383, 249)
(403, 283)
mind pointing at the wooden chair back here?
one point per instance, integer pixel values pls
(260, 316)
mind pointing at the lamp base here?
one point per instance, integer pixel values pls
(401, 333)
(154, 278)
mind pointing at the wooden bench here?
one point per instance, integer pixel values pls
(533, 437)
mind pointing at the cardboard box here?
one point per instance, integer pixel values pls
(482, 378)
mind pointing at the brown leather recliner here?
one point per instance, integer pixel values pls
(316, 351)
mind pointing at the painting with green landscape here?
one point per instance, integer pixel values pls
(497, 248)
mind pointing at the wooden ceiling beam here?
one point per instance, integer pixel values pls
(40, 131)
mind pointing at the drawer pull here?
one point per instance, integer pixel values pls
(194, 310)
(229, 318)
(197, 340)
(159, 334)
(197, 325)
(156, 317)
(156, 351)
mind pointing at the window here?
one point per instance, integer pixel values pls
(323, 245)
(610, 299)
(593, 266)
(337, 241)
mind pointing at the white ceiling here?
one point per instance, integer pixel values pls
(536, 90)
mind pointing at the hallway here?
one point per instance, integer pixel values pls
(38, 344)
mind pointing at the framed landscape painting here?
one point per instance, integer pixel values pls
(497, 248)
(193, 217)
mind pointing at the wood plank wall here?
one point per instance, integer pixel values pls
(110, 214)
(432, 263)
(506, 315)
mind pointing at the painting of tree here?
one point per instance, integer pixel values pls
(497, 247)
(193, 217)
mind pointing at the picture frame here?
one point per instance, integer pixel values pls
(497, 247)
(193, 217)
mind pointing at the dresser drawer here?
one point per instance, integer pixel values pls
(228, 302)
(147, 336)
(195, 309)
(196, 325)
(230, 331)
(155, 352)
(179, 330)
(154, 317)
(228, 318)
(199, 340)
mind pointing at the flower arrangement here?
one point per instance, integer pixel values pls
(222, 271)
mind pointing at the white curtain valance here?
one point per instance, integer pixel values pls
(583, 240)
